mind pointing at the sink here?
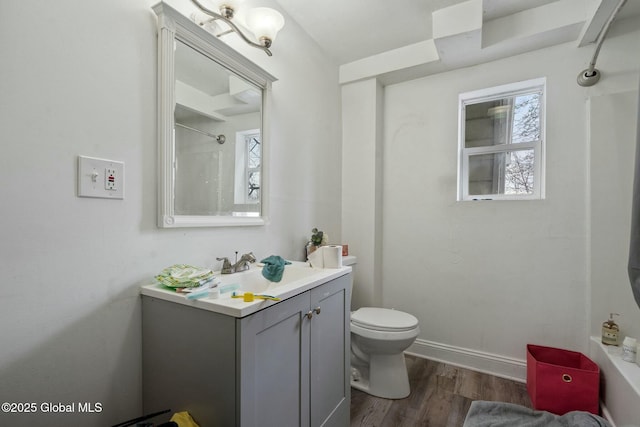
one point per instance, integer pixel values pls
(253, 281)
(249, 281)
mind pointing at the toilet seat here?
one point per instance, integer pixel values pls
(383, 319)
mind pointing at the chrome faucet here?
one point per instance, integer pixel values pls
(244, 262)
(241, 265)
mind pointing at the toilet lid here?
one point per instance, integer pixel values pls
(383, 319)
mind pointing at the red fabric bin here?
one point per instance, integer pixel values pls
(561, 381)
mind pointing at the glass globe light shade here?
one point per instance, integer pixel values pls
(264, 23)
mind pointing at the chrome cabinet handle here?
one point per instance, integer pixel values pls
(310, 313)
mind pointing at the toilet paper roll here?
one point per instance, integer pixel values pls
(332, 256)
(316, 258)
(329, 256)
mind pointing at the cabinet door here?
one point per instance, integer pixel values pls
(274, 366)
(330, 353)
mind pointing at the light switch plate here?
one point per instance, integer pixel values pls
(100, 178)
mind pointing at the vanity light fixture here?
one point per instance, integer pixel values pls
(263, 22)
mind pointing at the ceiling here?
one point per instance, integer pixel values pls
(349, 30)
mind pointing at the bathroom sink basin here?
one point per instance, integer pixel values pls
(298, 277)
(248, 281)
(253, 281)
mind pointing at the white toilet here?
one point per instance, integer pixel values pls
(379, 336)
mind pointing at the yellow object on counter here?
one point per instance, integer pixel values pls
(183, 419)
(249, 297)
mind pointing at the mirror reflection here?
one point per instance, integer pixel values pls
(218, 150)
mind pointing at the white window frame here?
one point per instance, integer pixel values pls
(495, 93)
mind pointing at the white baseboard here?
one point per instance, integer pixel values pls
(488, 363)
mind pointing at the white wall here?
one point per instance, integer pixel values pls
(362, 103)
(79, 78)
(486, 278)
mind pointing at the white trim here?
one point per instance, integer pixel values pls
(498, 92)
(178, 221)
(488, 363)
(492, 149)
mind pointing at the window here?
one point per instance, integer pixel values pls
(248, 167)
(501, 142)
(253, 167)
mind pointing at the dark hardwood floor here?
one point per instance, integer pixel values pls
(440, 397)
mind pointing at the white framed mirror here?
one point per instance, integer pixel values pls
(212, 129)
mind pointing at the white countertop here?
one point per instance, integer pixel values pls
(298, 277)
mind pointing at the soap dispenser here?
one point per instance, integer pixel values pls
(610, 331)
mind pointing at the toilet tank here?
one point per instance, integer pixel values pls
(351, 261)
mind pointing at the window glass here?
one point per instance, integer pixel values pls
(509, 172)
(509, 120)
(254, 156)
(526, 118)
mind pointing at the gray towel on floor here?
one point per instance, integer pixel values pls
(500, 414)
(634, 241)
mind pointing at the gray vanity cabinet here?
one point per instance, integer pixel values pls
(286, 365)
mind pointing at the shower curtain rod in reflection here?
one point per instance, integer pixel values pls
(591, 75)
(220, 138)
